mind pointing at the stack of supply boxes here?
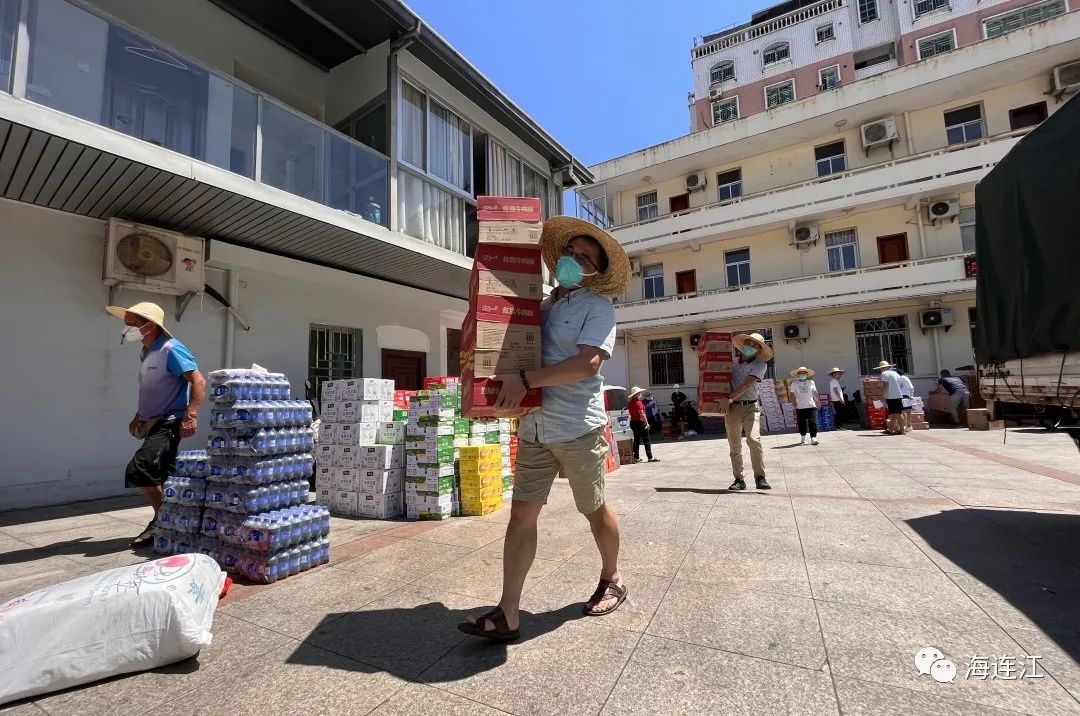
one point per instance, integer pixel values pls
(825, 420)
(244, 500)
(773, 395)
(714, 372)
(361, 455)
(480, 471)
(873, 394)
(501, 333)
(429, 454)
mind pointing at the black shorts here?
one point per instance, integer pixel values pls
(155, 459)
(907, 408)
(896, 406)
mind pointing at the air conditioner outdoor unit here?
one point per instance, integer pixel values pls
(804, 235)
(878, 132)
(695, 181)
(715, 93)
(936, 318)
(1067, 78)
(941, 209)
(152, 259)
(635, 267)
(695, 340)
(796, 331)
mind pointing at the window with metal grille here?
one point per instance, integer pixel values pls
(334, 353)
(967, 228)
(729, 184)
(778, 94)
(964, 125)
(842, 250)
(647, 206)
(1022, 17)
(725, 110)
(868, 11)
(652, 281)
(723, 71)
(937, 44)
(878, 339)
(775, 53)
(738, 267)
(666, 361)
(825, 33)
(830, 158)
(829, 77)
(924, 6)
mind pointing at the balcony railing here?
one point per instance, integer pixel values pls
(727, 38)
(83, 65)
(896, 280)
(803, 198)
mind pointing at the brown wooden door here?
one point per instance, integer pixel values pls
(406, 368)
(892, 249)
(679, 203)
(686, 281)
(453, 351)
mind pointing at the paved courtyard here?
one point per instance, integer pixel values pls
(813, 598)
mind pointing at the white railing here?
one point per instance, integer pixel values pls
(876, 69)
(834, 186)
(837, 287)
(731, 38)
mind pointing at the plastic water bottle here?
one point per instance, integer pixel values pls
(324, 545)
(305, 557)
(163, 542)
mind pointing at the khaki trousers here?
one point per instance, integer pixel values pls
(745, 420)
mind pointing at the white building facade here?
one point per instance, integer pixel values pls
(327, 157)
(840, 224)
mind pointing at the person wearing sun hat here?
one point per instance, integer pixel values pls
(171, 391)
(805, 397)
(639, 424)
(743, 417)
(566, 435)
(836, 393)
(894, 397)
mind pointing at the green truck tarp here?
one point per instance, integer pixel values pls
(1027, 245)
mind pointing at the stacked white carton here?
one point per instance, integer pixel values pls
(360, 459)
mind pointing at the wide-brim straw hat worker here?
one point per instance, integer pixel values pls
(802, 369)
(764, 352)
(634, 391)
(836, 370)
(150, 311)
(884, 365)
(560, 230)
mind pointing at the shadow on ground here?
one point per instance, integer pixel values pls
(714, 491)
(79, 547)
(407, 642)
(1028, 558)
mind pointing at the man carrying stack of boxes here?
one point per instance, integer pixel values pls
(566, 434)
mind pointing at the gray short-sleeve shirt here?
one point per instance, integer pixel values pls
(742, 371)
(569, 411)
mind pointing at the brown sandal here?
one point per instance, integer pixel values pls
(604, 590)
(501, 632)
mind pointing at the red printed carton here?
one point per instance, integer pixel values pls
(478, 398)
(508, 208)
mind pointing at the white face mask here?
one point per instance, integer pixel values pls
(131, 334)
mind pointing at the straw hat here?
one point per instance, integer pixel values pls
(634, 391)
(834, 371)
(559, 230)
(150, 311)
(764, 352)
(883, 365)
(802, 369)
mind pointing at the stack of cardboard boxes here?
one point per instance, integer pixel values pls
(501, 333)
(479, 471)
(873, 395)
(429, 454)
(360, 457)
(714, 372)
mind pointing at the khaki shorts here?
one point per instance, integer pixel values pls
(581, 461)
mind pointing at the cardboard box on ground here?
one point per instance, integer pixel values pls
(501, 332)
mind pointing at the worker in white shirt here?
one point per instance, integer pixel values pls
(805, 397)
(907, 394)
(836, 393)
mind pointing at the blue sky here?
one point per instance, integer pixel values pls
(604, 77)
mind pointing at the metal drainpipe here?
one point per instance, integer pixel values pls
(907, 133)
(233, 280)
(922, 229)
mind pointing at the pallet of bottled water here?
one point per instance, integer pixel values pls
(238, 384)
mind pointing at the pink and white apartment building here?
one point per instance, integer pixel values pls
(801, 48)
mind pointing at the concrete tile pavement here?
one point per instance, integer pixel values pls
(812, 598)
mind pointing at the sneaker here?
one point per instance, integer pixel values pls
(737, 485)
(762, 483)
(146, 536)
(654, 459)
(813, 441)
(802, 441)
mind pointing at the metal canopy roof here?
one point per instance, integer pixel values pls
(330, 32)
(49, 170)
